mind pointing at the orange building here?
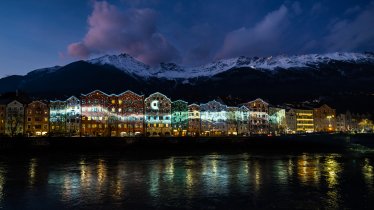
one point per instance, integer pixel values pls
(324, 119)
(2, 119)
(37, 119)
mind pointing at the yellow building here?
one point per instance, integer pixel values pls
(300, 121)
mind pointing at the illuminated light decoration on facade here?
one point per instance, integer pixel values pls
(14, 118)
(243, 121)
(259, 116)
(277, 120)
(300, 121)
(73, 116)
(157, 115)
(213, 119)
(95, 114)
(232, 121)
(113, 115)
(37, 119)
(57, 117)
(131, 117)
(324, 119)
(193, 120)
(179, 117)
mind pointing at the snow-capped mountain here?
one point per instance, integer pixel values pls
(132, 66)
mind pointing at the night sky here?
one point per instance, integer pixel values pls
(44, 33)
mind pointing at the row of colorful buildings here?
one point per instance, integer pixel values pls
(130, 114)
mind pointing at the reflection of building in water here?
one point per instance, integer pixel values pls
(308, 169)
(215, 175)
(368, 173)
(101, 172)
(32, 171)
(2, 182)
(332, 171)
(169, 169)
(281, 171)
(85, 173)
(154, 180)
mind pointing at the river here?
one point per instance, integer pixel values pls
(212, 181)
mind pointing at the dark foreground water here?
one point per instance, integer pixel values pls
(214, 181)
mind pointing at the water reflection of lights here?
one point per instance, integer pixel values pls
(32, 171)
(85, 174)
(101, 172)
(189, 175)
(309, 169)
(154, 181)
(332, 170)
(215, 174)
(2, 183)
(368, 173)
(257, 181)
(169, 169)
(281, 171)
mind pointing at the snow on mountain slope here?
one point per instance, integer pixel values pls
(173, 71)
(126, 63)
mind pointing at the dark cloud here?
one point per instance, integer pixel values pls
(262, 39)
(132, 31)
(353, 34)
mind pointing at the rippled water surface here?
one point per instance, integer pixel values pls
(211, 181)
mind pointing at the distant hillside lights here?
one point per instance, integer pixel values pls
(129, 114)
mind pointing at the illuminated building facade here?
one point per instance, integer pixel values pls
(95, 114)
(259, 116)
(131, 117)
(243, 121)
(213, 119)
(232, 120)
(14, 118)
(300, 121)
(2, 118)
(113, 115)
(179, 117)
(193, 120)
(324, 119)
(57, 117)
(37, 119)
(341, 124)
(277, 120)
(158, 115)
(73, 116)
(291, 124)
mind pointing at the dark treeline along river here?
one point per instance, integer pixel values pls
(211, 181)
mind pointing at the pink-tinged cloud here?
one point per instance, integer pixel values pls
(262, 39)
(133, 31)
